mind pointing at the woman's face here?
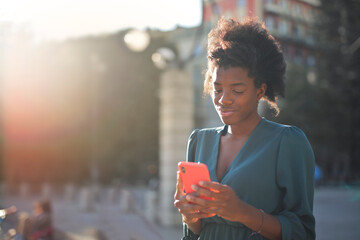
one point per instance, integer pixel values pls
(234, 95)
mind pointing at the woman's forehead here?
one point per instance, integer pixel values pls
(233, 74)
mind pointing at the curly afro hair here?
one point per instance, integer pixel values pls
(249, 45)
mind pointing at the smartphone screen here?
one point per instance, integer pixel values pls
(192, 173)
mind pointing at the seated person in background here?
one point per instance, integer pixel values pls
(41, 221)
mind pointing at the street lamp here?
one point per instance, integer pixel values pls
(99, 68)
(137, 40)
(162, 57)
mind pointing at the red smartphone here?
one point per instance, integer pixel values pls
(192, 173)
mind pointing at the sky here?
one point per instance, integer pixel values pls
(62, 19)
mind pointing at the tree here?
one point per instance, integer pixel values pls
(328, 109)
(339, 72)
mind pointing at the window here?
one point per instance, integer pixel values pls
(241, 3)
(284, 5)
(297, 10)
(269, 2)
(269, 22)
(310, 60)
(298, 58)
(298, 31)
(283, 27)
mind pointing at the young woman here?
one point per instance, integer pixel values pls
(262, 173)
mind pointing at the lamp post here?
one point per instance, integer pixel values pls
(176, 116)
(88, 194)
(98, 69)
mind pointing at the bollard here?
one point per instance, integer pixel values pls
(127, 202)
(24, 189)
(3, 190)
(112, 195)
(70, 192)
(87, 200)
(46, 191)
(96, 191)
(151, 205)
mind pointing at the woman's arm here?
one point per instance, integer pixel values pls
(260, 222)
(295, 177)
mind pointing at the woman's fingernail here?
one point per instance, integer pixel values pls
(194, 187)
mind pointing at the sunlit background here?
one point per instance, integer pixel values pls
(98, 99)
(62, 68)
(59, 20)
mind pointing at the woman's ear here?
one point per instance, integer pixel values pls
(260, 92)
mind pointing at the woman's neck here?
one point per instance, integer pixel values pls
(244, 128)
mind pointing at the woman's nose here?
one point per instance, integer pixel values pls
(225, 98)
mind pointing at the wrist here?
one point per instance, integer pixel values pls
(190, 220)
(193, 224)
(246, 213)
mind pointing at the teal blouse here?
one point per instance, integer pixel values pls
(273, 171)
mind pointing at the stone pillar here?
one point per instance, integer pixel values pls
(176, 123)
(46, 191)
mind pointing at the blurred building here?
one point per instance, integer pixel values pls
(289, 21)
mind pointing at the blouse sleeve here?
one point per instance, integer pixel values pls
(191, 146)
(190, 157)
(295, 177)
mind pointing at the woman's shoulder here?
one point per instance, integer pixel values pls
(213, 130)
(206, 132)
(288, 133)
(288, 130)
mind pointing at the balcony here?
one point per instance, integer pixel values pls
(274, 8)
(315, 3)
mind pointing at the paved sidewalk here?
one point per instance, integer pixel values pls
(337, 213)
(106, 220)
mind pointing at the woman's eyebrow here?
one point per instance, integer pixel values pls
(238, 84)
(233, 84)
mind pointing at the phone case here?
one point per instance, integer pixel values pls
(192, 173)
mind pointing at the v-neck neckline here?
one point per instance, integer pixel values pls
(217, 149)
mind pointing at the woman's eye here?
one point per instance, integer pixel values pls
(217, 91)
(238, 92)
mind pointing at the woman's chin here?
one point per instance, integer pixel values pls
(225, 120)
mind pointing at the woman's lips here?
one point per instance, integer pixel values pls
(225, 112)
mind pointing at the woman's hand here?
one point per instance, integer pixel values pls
(190, 211)
(227, 205)
(224, 203)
